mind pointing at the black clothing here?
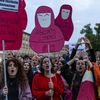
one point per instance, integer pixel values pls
(30, 79)
(76, 85)
(12, 89)
(67, 74)
(66, 57)
(91, 55)
(73, 53)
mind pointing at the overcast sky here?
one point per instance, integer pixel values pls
(84, 12)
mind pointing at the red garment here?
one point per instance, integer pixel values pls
(86, 91)
(40, 86)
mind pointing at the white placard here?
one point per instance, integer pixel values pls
(9, 5)
(80, 48)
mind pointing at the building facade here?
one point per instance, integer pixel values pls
(25, 48)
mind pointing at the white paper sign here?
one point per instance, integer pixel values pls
(9, 5)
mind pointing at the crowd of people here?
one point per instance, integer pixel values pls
(52, 78)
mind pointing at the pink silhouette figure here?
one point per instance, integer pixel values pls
(64, 21)
(12, 24)
(23, 15)
(46, 33)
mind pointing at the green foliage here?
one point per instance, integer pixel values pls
(94, 38)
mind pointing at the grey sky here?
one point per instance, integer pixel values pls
(84, 12)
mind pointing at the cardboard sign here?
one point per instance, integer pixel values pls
(22, 15)
(64, 21)
(11, 44)
(12, 24)
(45, 33)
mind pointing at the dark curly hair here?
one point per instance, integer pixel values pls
(41, 64)
(21, 76)
(29, 74)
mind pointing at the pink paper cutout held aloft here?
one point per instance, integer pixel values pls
(12, 23)
(64, 21)
(23, 15)
(46, 33)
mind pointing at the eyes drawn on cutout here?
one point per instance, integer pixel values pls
(44, 19)
(65, 13)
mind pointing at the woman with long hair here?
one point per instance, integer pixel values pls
(28, 70)
(45, 85)
(17, 83)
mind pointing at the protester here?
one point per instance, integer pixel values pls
(55, 79)
(35, 64)
(58, 65)
(20, 58)
(17, 84)
(87, 85)
(26, 58)
(82, 63)
(68, 70)
(72, 72)
(10, 55)
(45, 85)
(98, 58)
(96, 72)
(28, 70)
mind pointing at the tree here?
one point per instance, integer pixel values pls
(94, 38)
(97, 39)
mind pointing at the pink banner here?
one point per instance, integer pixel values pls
(12, 24)
(64, 21)
(45, 33)
(23, 15)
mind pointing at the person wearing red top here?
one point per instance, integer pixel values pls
(42, 87)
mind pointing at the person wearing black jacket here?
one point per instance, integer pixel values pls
(71, 74)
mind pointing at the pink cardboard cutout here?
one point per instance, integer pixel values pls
(64, 21)
(23, 15)
(45, 32)
(11, 27)
(11, 44)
